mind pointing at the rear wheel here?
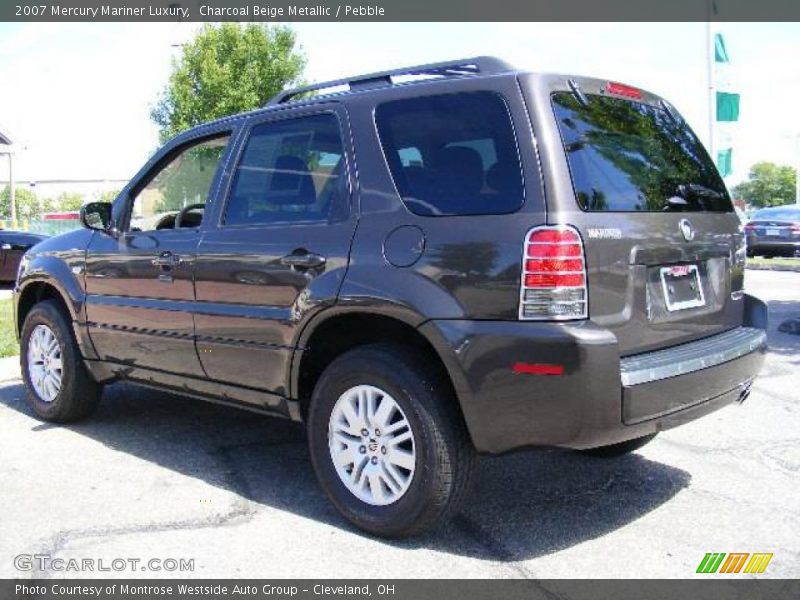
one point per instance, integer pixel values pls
(615, 450)
(57, 385)
(388, 445)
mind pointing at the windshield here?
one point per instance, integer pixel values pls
(629, 156)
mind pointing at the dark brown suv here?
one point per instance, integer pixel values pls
(438, 261)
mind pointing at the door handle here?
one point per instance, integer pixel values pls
(167, 260)
(308, 260)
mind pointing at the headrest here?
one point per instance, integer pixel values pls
(461, 169)
(292, 181)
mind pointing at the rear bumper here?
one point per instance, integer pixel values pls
(777, 246)
(598, 399)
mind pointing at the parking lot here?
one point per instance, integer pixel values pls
(158, 476)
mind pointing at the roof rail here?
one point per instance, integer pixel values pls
(479, 65)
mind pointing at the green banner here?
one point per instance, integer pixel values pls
(720, 51)
(725, 162)
(727, 106)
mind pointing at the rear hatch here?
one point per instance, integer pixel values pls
(663, 249)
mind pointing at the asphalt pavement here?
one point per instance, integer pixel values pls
(153, 475)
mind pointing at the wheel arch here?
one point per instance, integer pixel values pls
(51, 279)
(338, 330)
(37, 291)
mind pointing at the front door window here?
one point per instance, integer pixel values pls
(175, 197)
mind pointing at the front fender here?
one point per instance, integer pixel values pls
(58, 263)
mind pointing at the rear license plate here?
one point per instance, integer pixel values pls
(682, 288)
(773, 231)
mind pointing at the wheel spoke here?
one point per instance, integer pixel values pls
(384, 412)
(350, 413)
(376, 487)
(392, 477)
(346, 457)
(403, 437)
(345, 437)
(401, 458)
(396, 426)
(362, 404)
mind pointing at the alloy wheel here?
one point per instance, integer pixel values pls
(372, 445)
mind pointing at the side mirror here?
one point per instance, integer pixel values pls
(97, 216)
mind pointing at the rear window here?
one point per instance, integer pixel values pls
(781, 214)
(452, 154)
(629, 156)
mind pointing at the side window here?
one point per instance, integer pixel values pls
(292, 170)
(183, 183)
(453, 154)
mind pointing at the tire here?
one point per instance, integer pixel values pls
(749, 253)
(427, 489)
(77, 395)
(621, 449)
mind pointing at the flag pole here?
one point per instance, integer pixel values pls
(710, 69)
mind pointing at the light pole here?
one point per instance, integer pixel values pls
(5, 148)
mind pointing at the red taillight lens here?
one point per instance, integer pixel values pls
(554, 275)
(620, 89)
(749, 227)
(794, 228)
(551, 280)
(554, 251)
(554, 264)
(553, 236)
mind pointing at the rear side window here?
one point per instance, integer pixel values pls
(452, 154)
(291, 170)
(630, 156)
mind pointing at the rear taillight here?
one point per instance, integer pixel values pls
(749, 227)
(553, 285)
(795, 228)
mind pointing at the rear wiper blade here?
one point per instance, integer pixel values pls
(689, 190)
(676, 203)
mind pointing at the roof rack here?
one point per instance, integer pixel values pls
(479, 65)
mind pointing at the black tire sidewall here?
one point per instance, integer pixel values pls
(47, 313)
(414, 396)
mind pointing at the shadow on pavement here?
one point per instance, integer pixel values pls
(785, 344)
(522, 505)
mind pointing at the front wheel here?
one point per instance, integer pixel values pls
(388, 444)
(57, 385)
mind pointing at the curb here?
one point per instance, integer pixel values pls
(9, 368)
(777, 267)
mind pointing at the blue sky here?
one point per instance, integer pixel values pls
(76, 97)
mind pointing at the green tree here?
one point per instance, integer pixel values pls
(227, 69)
(108, 195)
(28, 204)
(69, 201)
(767, 184)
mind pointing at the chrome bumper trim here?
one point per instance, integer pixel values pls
(694, 356)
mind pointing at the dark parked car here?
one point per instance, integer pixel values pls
(477, 260)
(13, 244)
(774, 231)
